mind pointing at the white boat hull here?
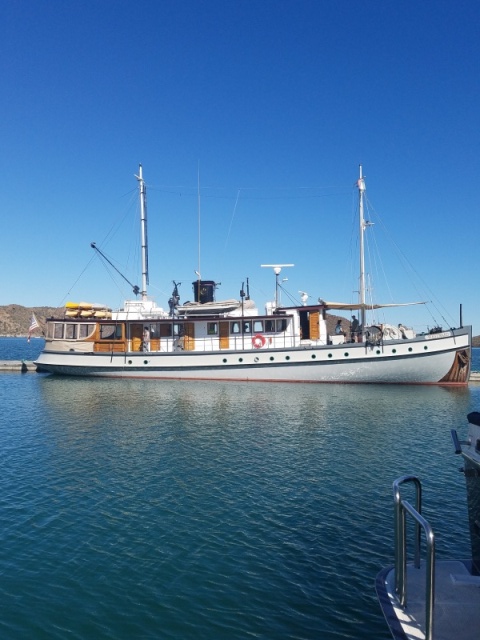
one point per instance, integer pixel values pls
(429, 359)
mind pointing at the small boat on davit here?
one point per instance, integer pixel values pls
(232, 340)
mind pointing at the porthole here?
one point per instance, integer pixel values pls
(378, 352)
(256, 359)
(346, 354)
(145, 362)
(394, 351)
(224, 360)
(287, 357)
(313, 356)
(410, 349)
(330, 355)
(240, 359)
(272, 358)
(425, 347)
(129, 362)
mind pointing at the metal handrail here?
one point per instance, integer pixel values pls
(401, 508)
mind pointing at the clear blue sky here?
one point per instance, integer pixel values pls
(273, 104)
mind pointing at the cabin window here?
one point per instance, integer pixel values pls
(110, 332)
(166, 330)
(247, 327)
(178, 330)
(154, 330)
(235, 327)
(257, 326)
(281, 325)
(270, 326)
(212, 328)
(58, 330)
(70, 331)
(83, 330)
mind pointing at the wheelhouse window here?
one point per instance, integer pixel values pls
(257, 326)
(58, 330)
(235, 327)
(110, 332)
(85, 330)
(247, 327)
(281, 325)
(70, 331)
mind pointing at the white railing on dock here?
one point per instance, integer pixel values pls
(401, 508)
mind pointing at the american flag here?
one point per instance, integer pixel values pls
(33, 325)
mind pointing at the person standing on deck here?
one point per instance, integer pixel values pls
(354, 329)
(146, 339)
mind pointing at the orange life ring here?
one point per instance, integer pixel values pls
(258, 341)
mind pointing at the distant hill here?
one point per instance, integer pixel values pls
(15, 320)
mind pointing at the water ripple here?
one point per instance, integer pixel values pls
(133, 509)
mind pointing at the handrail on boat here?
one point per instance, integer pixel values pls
(401, 508)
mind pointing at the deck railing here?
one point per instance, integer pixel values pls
(401, 509)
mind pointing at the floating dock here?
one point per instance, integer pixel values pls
(18, 366)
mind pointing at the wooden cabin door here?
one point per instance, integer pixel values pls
(189, 342)
(224, 333)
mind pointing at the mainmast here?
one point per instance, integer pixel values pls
(143, 231)
(361, 193)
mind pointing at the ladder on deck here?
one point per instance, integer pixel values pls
(402, 508)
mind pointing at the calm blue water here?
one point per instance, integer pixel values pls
(140, 509)
(20, 348)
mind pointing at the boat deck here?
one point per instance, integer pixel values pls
(456, 609)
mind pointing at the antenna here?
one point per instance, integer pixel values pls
(199, 218)
(277, 269)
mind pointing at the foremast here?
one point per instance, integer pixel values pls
(143, 231)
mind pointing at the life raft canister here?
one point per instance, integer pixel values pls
(258, 341)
